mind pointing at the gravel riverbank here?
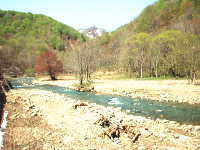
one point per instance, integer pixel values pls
(43, 120)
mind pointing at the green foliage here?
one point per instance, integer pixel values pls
(145, 22)
(141, 39)
(2, 41)
(85, 84)
(161, 78)
(105, 38)
(163, 14)
(17, 24)
(160, 41)
(30, 72)
(24, 36)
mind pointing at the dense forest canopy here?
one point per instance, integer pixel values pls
(15, 25)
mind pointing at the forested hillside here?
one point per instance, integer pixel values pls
(162, 41)
(167, 14)
(24, 35)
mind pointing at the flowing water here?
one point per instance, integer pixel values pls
(183, 113)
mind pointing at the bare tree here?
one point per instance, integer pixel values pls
(85, 61)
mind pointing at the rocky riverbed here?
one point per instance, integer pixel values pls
(42, 120)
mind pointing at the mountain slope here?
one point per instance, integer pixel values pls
(23, 36)
(183, 15)
(167, 14)
(17, 25)
(162, 41)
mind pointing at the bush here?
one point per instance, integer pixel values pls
(30, 72)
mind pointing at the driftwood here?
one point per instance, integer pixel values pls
(136, 137)
(79, 105)
(130, 130)
(103, 121)
(112, 133)
(85, 89)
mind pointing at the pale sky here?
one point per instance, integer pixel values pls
(107, 14)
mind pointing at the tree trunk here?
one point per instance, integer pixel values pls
(156, 70)
(81, 81)
(156, 73)
(53, 77)
(87, 73)
(141, 71)
(1, 76)
(81, 76)
(193, 77)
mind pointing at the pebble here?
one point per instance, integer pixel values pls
(116, 141)
(145, 133)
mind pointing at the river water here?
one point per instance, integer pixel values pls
(182, 113)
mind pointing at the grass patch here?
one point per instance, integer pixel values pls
(160, 78)
(112, 76)
(126, 76)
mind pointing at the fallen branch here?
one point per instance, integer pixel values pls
(136, 137)
(103, 121)
(79, 105)
(112, 133)
(130, 130)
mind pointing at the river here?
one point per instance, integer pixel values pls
(180, 112)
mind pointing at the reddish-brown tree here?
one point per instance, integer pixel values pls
(48, 62)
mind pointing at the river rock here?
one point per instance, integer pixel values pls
(197, 128)
(181, 137)
(145, 132)
(116, 141)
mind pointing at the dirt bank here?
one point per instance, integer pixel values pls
(42, 120)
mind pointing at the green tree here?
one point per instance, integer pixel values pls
(141, 43)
